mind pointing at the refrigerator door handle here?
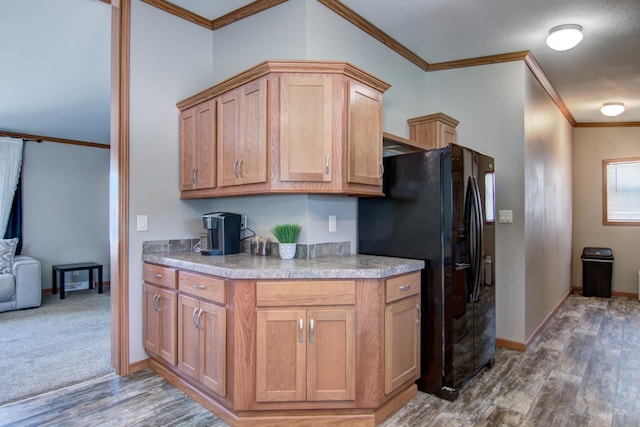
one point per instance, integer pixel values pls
(478, 239)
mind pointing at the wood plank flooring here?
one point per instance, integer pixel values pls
(583, 370)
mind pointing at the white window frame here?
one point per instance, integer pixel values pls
(605, 194)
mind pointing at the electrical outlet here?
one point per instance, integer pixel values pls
(243, 222)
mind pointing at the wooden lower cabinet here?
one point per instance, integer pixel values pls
(305, 355)
(283, 352)
(202, 342)
(160, 322)
(402, 342)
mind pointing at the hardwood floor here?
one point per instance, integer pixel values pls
(583, 370)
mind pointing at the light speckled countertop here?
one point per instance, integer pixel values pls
(246, 266)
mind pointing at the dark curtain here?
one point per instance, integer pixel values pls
(14, 226)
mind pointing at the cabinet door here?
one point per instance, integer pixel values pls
(281, 355)
(228, 129)
(242, 135)
(152, 323)
(167, 302)
(364, 135)
(213, 349)
(305, 128)
(187, 149)
(401, 342)
(188, 336)
(252, 148)
(331, 356)
(205, 159)
(160, 322)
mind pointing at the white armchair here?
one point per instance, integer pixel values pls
(22, 287)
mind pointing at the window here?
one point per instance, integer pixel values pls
(621, 191)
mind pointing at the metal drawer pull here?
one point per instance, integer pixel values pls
(405, 287)
(195, 285)
(300, 330)
(158, 275)
(312, 332)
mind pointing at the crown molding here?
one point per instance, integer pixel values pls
(354, 18)
(180, 12)
(244, 12)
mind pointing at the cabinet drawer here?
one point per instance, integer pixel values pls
(401, 287)
(207, 287)
(306, 293)
(159, 275)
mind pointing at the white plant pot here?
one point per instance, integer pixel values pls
(287, 250)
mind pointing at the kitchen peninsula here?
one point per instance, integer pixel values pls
(265, 341)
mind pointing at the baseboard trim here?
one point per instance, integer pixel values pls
(519, 346)
(511, 345)
(138, 366)
(578, 290)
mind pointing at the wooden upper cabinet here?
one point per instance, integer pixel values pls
(197, 147)
(364, 130)
(293, 127)
(305, 128)
(433, 131)
(242, 135)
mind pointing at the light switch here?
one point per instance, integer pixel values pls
(142, 223)
(505, 216)
(332, 223)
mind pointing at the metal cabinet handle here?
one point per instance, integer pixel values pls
(193, 318)
(405, 287)
(196, 175)
(235, 168)
(312, 332)
(240, 168)
(300, 330)
(419, 313)
(193, 175)
(326, 164)
(200, 327)
(197, 286)
(381, 169)
(155, 302)
(158, 275)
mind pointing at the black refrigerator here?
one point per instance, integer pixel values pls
(439, 207)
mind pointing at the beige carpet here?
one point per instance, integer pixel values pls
(63, 342)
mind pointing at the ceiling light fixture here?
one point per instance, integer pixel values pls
(612, 109)
(564, 37)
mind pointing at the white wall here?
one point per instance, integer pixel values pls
(489, 103)
(590, 147)
(65, 207)
(547, 205)
(170, 61)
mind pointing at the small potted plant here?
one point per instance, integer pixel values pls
(287, 235)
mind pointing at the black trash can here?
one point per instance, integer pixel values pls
(597, 268)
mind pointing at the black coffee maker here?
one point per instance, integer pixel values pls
(223, 233)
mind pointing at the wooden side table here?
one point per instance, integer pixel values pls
(63, 268)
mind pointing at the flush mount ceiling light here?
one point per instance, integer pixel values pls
(564, 37)
(612, 109)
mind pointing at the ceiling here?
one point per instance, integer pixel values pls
(57, 71)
